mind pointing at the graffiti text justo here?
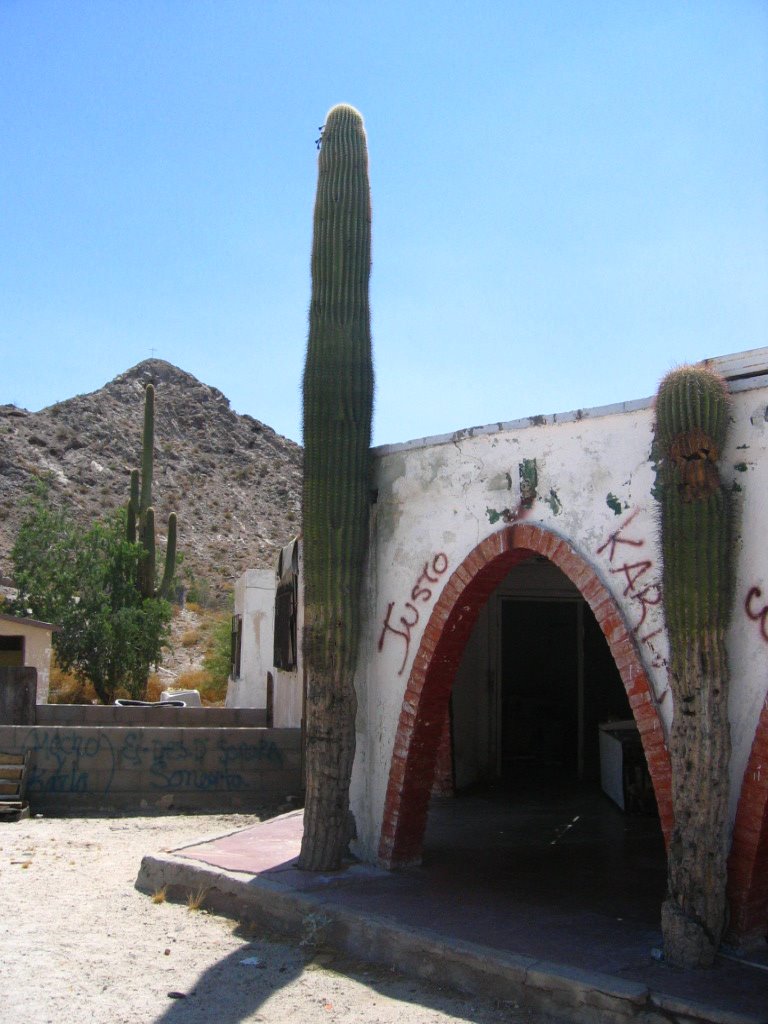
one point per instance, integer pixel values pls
(422, 593)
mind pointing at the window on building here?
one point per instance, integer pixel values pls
(286, 608)
(236, 646)
(11, 651)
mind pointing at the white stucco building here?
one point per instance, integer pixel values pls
(502, 559)
(267, 669)
(28, 643)
(252, 633)
(512, 607)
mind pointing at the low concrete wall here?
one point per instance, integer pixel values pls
(18, 687)
(85, 769)
(188, 718)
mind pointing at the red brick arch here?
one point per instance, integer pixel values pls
(748, 861)
(434, 667)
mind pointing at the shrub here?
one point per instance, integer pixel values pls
(83, 580)
(190, 638)
(67, 688)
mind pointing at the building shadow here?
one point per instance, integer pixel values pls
(236, 989)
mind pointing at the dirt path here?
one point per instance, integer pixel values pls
(80, 945)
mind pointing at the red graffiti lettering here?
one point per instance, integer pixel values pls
(648, 596)
(615, 538)
(633, 571)
(644, 599)
(431, 573)
(388, 628)
(761, 616)
(410, 625)
(440, 563)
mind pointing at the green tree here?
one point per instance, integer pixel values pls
(217, 660)
(85, 582)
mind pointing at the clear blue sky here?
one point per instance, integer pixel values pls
(569, 196)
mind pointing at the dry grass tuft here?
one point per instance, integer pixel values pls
(155, 687)
(66, 688)
(211, 691)
(196, 899)
(159, 895)
(192, 679)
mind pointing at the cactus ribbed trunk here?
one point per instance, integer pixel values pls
(148, 448)
(691, 420)
(338, 403)
(133, 508)
(141, 514)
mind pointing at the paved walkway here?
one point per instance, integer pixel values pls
(556, 901)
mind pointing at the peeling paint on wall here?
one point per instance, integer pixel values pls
(614, 504)
(529, 481)
(500, 482)
(505, 515)
(554, 502)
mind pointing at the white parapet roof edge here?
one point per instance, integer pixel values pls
(743, 371)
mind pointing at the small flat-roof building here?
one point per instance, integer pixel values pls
(27, 643)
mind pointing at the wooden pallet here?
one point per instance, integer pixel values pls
(13, 785)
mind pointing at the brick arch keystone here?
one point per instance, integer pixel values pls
(434, 667)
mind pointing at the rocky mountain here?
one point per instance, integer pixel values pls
(234, 483)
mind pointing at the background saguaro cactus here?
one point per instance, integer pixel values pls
(338, 404)
(141, 514)
(692, 409)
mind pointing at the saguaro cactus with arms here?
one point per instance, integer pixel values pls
(141, 514)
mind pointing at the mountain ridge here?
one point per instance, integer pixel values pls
(234, 483)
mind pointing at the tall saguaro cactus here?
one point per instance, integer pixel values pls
(338, 405)
(141, 514)
(692, 410)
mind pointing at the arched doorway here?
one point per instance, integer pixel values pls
(425, 707)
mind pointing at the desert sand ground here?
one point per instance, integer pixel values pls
(78, 943)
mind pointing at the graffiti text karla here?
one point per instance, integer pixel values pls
(634, 569)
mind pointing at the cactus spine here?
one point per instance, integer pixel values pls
(141, 514)
(692, 411)
(338, 406)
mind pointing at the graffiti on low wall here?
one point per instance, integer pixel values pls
(77, 761)
(186, 764)
(63, 761)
